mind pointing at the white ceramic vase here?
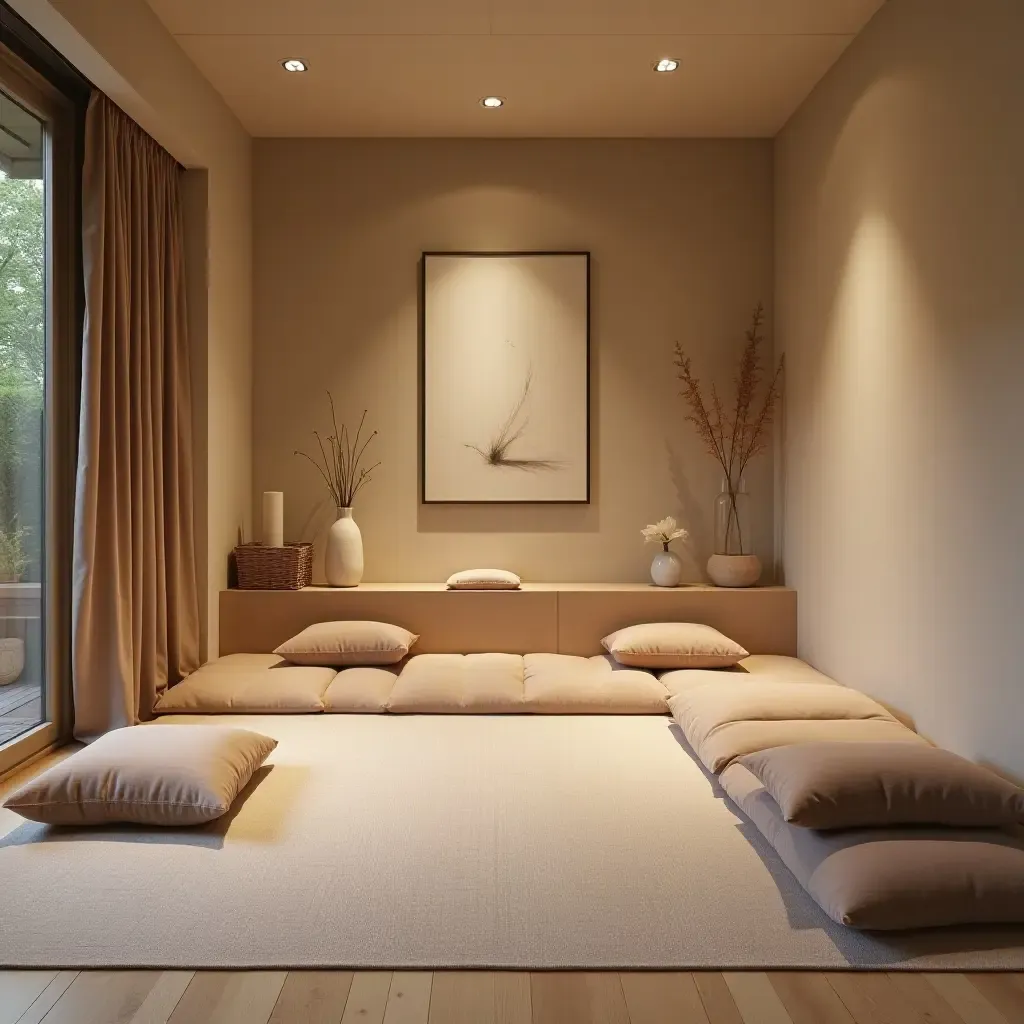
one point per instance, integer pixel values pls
(734, 570)
(666, 569)
(12, 659)
(343, 563)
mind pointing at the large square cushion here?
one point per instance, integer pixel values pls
(459, 683)
(363, 689)
(249, 684)
(723, 723)
(892, 878)
(148, 774)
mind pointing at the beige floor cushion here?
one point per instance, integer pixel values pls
(669, 645)
(459, 684)
(760, 667)
(363, 689)
(863, 785)
(250, 683)
(561, 684)
(723, 723)
(348, 642)
(892, 878)
(150, 774)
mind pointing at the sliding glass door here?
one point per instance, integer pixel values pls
(37, 372)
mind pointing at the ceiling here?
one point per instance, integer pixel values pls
(564, 67)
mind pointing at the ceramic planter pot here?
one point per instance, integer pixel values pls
(12, 659)
(734, 570)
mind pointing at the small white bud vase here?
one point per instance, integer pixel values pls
(666, 569)
(343, 562)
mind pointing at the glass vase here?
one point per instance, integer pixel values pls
(732, 520)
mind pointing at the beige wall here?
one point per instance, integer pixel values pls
(680, 234)
(122, 47)
(900, 304)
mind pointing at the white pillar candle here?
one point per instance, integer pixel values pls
(273, 518)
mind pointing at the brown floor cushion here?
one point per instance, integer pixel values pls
(459, 684)
(364, 689)
(560, 684)
(892, 878)
(250, 684)
(723, 723)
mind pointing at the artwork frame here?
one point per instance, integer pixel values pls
(559, 387)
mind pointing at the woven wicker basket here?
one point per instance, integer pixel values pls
(262, 568)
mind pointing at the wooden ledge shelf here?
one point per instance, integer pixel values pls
(563, 618)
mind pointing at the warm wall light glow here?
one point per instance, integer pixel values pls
(666, 64)
(492, 102)
(294, 64)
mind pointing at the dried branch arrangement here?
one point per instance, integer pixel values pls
(341, 457)
(733, 434)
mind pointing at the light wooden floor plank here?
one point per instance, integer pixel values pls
(229, 997)
(1003, 992)
(163, 997)
(718, 1002)
(755, 998)
(662, 997)
(576, 997)
(49, 996)
(809, 998)
(368, 998)
(19, 990)
(874, 999)
(916, 990)
(480, 997)
(103, 997)
(409, 998)
(312, 997)
(966, 999)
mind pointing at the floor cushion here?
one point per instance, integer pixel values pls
(723, 723)
(892, 878)
(364, 689)
(149, 774)
(459, 684)
(561, 684)
(859, 785)
(248, 683)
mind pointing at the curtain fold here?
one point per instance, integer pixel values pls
(135, 608)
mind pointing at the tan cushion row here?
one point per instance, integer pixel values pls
(723, 723)
(424, 684)
(893, 878)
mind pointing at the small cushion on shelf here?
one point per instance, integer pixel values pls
(672, 645)
(484, 579)
(150, 774)
(892, 878)
(855, 785)
(348, 642)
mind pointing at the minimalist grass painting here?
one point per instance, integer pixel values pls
(505, 374)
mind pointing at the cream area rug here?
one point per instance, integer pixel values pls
(446, 841)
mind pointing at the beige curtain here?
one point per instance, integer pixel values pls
(135, 604)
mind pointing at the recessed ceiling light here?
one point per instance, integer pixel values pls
(666, 64)
(294, 64)
(492, 102)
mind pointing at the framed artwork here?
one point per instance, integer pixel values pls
(505, 377)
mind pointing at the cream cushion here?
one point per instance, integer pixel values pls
(892, 878)
(150, 774)
(362, 689)
(459, 683)
(856, 785)
(560, 684)
(755, 667)
(248, 683)
(723, 723)
(484, 579)
(348, 643)
(672, 645)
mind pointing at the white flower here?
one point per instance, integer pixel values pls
(664, 532)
